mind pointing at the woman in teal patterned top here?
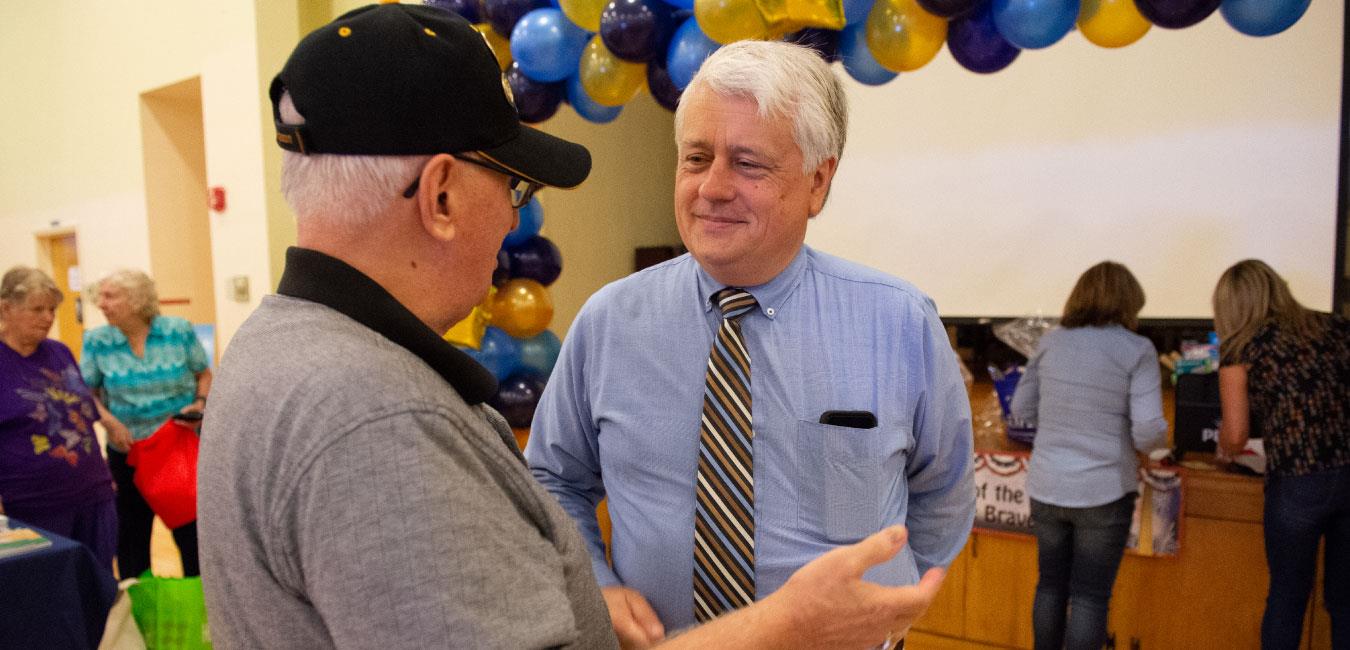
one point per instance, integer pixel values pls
(144, 367)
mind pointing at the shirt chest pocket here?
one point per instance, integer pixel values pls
(842, 479)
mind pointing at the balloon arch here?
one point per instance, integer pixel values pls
(596, 55)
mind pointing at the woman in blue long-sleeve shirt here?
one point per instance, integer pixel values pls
(1094, 392)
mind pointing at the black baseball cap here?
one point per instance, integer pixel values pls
(402, 80)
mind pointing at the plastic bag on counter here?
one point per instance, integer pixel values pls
(1023, 334)
(1005, 384)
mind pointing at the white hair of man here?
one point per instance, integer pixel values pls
(785, 80)
(346, 192)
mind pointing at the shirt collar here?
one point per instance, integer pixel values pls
(314, 276)
(771, 295)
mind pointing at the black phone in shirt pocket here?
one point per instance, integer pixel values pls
(850, 419)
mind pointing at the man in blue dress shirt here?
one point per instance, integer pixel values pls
(759, 133)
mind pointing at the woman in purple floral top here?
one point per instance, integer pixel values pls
(1289, 367)
(52, 474)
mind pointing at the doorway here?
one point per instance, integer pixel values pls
(60, 256)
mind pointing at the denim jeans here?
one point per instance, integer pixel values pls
(1078, 553)
(1299, 511)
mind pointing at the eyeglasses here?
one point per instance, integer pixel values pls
(519, 197)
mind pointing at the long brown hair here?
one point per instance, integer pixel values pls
(1106, 294)
(1251, 294)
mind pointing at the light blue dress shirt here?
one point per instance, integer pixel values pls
(1095, 396)
(620, 417)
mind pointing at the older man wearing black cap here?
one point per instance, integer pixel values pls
(355, 491)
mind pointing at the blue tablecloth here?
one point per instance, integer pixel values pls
(55, 597)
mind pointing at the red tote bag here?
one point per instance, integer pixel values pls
(166, 472)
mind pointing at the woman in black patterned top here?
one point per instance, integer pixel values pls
(1290, 367)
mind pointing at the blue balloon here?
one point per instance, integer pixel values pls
(688, 49)
(471, 10)
(498, 352)
(858, 60)
(504, 14)
(587, 107)
(1034, 24)
(540, 352)
(547, 45)
(855, 11)
(1262, 17)
(975, 43)
(516, 398)
(681, 4)
(531, 217)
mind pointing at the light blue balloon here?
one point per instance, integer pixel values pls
(1262, 17)
(688, 49)
(586, 107)
(858, 60)
(540, 352)
(855, 11)
(1034, 24)
(499, 352)
(531, 220)
(547, 45)
(681, 4)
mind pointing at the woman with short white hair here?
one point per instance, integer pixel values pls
(51, 472)
(146, 367)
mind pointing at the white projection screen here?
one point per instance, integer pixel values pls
(1177, 155)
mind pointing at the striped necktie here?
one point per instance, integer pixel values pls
(724, 515)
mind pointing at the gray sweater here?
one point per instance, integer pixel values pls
(350, 498)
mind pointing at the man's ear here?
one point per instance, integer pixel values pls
(820, 184)
(435, 201)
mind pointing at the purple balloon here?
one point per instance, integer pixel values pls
(662, 88)
(824, 41)
(537, 259)
(535, 101)
(950, 8)
(1176, 14)
(504, 14)
(503, 271)
(516, 398)
(471, 10)
(977, 45)
(636, 30)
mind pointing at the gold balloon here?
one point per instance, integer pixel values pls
(501, 47)
(791, 15)
(1111, 23)
(607, 79)
(469, 332)
(583, 13)
(728, 21)
(902, 36)
(522, 308)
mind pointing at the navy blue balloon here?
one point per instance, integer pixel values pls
(689, 47)
(503, 271)
(636, 30)
(589, 109)
(471, 10)
(1262, 17)
(530, 219)
(1034, 24)
(1176, 14)
(858, 60)
(537, 259)
(662, 88)
(504, 14)
(536, 101)
(975, 43)
(950, 8)
(824, 41)
(516, 398)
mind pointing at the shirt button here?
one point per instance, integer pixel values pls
(769, 311)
